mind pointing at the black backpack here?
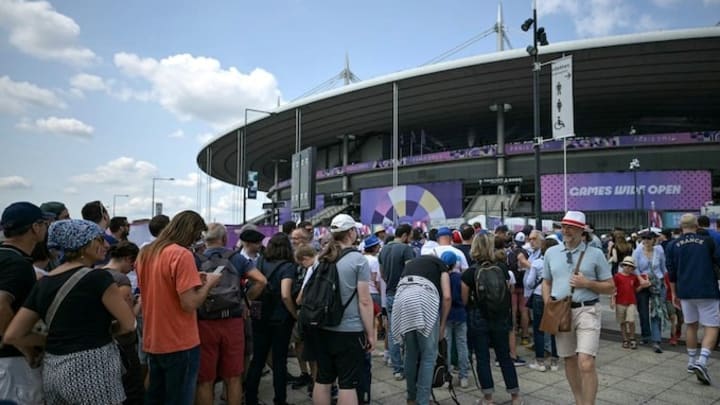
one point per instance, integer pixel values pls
(441, 374)
(263, 307)
(492, 291)
(322, 304)
(225, 300)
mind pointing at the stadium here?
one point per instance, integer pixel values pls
(646, 119)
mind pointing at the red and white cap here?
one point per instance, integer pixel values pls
(574, 218)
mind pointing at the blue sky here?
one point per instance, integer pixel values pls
(98, 97)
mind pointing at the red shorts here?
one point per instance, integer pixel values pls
(222, 349)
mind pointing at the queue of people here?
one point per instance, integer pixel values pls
(89, 317)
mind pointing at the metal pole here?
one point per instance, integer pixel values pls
(536, 121)
(395, 144)
(244, 168)
(565, 172)
(237, 173)
(152, 212)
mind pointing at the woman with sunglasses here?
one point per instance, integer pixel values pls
(650, 261)
(81, 363)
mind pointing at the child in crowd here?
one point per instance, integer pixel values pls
(624, 301)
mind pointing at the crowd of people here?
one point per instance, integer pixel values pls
(88, 317)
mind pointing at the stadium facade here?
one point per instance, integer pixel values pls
(654, 97)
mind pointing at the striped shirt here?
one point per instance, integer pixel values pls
(416, 307)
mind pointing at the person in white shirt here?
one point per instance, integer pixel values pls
(444, 244)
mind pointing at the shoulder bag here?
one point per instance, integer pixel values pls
(557, 316)
(52, 310)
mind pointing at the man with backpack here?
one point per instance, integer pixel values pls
(421, 307)
(221, 326)
(337, 305)
(580, 271)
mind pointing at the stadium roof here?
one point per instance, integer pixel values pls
(657, 81)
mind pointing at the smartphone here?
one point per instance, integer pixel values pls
(218, 270)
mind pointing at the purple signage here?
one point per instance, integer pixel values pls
(671, 190)
(411, 203)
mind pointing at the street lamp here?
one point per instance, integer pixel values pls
(114, 197)
(153, 191)
(243, 164)
(634, 165)
(539, 36)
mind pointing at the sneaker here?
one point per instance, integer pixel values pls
(657, 349)
(399, 376)
(538, 366)
(554, 365)
(702, 374)
(291, 379)
(673, 341)
(691, 369)
(525, 341)
(519, 362)
(464, 383)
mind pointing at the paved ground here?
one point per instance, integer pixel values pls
(625, 377)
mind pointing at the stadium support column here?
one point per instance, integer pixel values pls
(298, 140)
(345, 139)
(500, 109)
(395, 143)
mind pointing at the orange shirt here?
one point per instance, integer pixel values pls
(166, 327)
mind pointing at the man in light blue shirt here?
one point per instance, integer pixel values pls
(579, 346)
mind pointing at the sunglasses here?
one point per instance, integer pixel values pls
(569, 258)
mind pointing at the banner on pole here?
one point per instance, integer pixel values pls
(252, 185)
(562, 116)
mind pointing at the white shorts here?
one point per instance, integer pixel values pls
(705, 310)
(584, 336)
(19, 382)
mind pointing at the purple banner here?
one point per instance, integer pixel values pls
(671, 190)
(411, 203)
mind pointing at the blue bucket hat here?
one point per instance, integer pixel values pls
(444, 231)
(371, 241)
(72, 234)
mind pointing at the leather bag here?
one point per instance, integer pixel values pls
(557, 314)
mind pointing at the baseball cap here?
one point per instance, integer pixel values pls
(53, 207)
(449, 258)
(20, 214)
(444, 231)
(520, 237)
(341, 223)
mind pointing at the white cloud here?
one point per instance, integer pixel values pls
(123, 171)
(14, 182)
(16, 97)
(88, 82)
(71, 190)
(191, 180)
(596, 18)
(199, 88)
(38, 30)
(667, 3)
(711, 2)
(204, 138)
(179, 134)
(65, 126)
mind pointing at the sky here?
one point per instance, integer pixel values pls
(99, 97)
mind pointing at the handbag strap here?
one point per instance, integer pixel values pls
(63, 292)
(577, 269)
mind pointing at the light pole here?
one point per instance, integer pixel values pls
(539, 36)
(634, 166)
(243, 164)
(153, 191)
(116, 196)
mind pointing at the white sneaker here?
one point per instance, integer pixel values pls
(398, 376)
(538, 366)
(464, 383)
(554, 365)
